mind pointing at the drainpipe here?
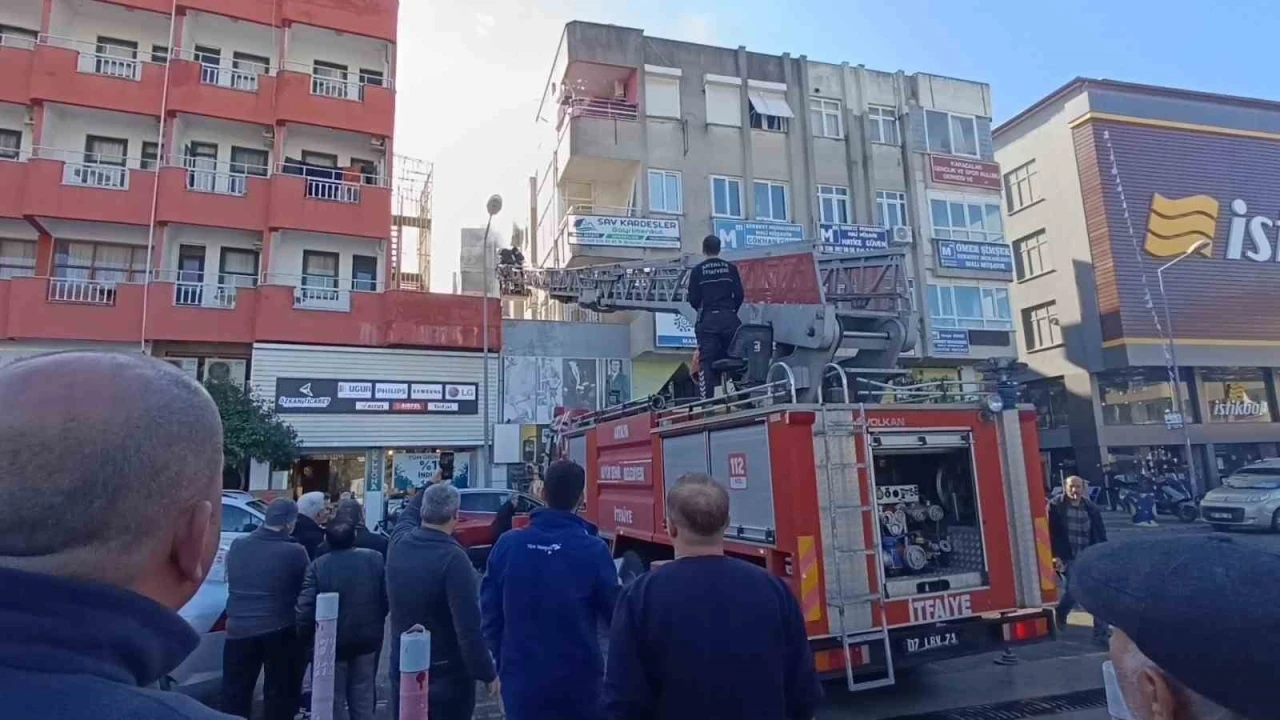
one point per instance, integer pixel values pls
(155, 186)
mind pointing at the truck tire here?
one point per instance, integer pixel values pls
(633, 566)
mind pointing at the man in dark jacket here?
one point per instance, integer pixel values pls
(265, 570)
(307, 530)
(1075, 523)
(715, 292)
(90, 583)
(356, 575)
(352, 512)
(430, 582)
(708, 637)
(547, 588)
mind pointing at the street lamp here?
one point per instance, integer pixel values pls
(1172, 356)
(493, 207)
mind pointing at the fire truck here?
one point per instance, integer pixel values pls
(908, 519)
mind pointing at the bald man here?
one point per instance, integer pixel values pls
(110, 483)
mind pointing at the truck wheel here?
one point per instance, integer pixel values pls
(632, 567)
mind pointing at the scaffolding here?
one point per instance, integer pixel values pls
(411, 189)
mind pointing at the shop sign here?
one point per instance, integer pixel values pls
(374, 397)
(671, 330)
(853, 238)
(623, 231)
(1238, 408)
(951, 170)
(745, 234)
(949, 342)
(1172, 420)
(970, 255)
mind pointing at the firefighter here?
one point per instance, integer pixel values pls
(715, 292)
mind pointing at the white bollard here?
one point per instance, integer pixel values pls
(415, 661)
(322, 662)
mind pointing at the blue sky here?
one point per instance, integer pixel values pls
(471, 71)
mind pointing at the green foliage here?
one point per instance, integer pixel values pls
(250, 427)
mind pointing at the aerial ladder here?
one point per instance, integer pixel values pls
(823, 308)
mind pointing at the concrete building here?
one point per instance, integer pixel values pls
(659, 143)
(207, 181)
(1105, 183)
(473, 268)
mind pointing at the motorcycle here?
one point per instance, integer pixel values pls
(1173, 497)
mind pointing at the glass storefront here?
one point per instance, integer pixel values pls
(1141, 396)
(1230, 457)
(1235, 395)
(1050, 398)
(1146, 460)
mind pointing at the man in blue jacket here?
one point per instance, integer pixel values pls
(547, 589)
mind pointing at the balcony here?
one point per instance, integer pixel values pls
(371, 18)
(16, 55)
(13, 178)
(62, 184)
(319, 204)
(213, 195)
(340, 103)
(222, 92)
(80, 73)
(257, 11)
(600, 127)
(201, 307)
(67, 309)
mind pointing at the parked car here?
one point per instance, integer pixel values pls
(476, 515)
(201, 673)
(1249, 498)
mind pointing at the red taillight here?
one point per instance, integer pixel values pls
(1029, 629)
(220, 625)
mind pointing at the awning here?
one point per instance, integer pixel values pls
(769, 103)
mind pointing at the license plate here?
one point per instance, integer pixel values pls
(1217, 515)
(925, 643)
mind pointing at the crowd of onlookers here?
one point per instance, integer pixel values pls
(110, 479)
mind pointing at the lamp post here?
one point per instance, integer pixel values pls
(1172, 357)
(493, 207)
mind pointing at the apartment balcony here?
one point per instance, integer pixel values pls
(61, 184)
(371, 18)
(343, 104)
(222, 92)
(71, 309)
(600, 127)
(16, 57)
(201, 307)
(213, 195)
(74, 72)
(256, 11)
(319, 204)
(13, 179)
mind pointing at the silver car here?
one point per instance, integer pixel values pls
(1250, 498)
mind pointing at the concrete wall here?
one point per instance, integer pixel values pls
(307, 44)
(345, 145)
(213, 240)
(225, 134)
(229, 36)
(86, 22)
(66, 127)
(21, 13)
(288, 246)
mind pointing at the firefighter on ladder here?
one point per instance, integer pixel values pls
(715, 292)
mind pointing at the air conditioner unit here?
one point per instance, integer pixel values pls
(902, 234)
(221, 369)
(378, 142)
(189, 366)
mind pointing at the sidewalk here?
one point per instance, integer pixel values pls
(1120, 526)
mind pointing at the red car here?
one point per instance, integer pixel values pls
(476, 531)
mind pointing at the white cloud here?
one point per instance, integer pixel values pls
(484, 23)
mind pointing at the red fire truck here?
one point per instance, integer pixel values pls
(909, 520)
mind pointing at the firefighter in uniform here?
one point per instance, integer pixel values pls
(715, 292)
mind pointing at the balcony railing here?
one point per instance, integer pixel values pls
(100, 59)
(244, 78)
(21, 41)
(333, 184)
(337, 85)
(218, 177)
(605, 108)
(323, 292)
(207, 290)
(85, 292)
(92, 169)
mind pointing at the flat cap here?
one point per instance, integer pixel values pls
(1202, 607)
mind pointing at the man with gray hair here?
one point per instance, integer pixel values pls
(708, 637)
(430, 582)
(110, 509)
(307, 530)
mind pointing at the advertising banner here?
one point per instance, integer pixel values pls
(951, 170)
(623, 231)
(673, 331)
(969, 255)
(853, 238)
(319, 396)
(744, 234)
(949, 342)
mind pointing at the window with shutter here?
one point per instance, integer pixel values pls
(724, 104)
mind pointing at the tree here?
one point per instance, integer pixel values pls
(251, 430)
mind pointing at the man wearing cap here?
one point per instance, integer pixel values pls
(265, 570)
(1196, 626)
(1075, 523)
(716, 294)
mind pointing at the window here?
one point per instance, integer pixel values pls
(1139, 396)
(771, 200)
(760, 121)
(970, 307)
(1235, 395)
(824, 118)
(150, 156)
(951, 134)
(320, 270)
(238, 268)
(726, 197)
(882, 124)
(891, 208)
(664, 191)
(100, 150)
(724, 104)
(17, 258)
(488, 501)
(965, 218)
(99, 261)
(368, 170)
(245, 69)
(159, 53)
(1031, 256)
(833, 204)
(661, 95)
(116, 58)
(1040, 325)
(238, 520)
(372, 77)
(1050, 399)
(11, 36)
(329, 79)
(1021, 186)
(202, 166)
(10, 144)
(768, 108)
(248, 161)
(364, 273)
(319, 159)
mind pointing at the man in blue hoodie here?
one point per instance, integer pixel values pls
(110, 476)
(547, 589)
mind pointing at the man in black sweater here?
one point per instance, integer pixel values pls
(707, 637)
(715, 292)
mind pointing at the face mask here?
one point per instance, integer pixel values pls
(1116, 706)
